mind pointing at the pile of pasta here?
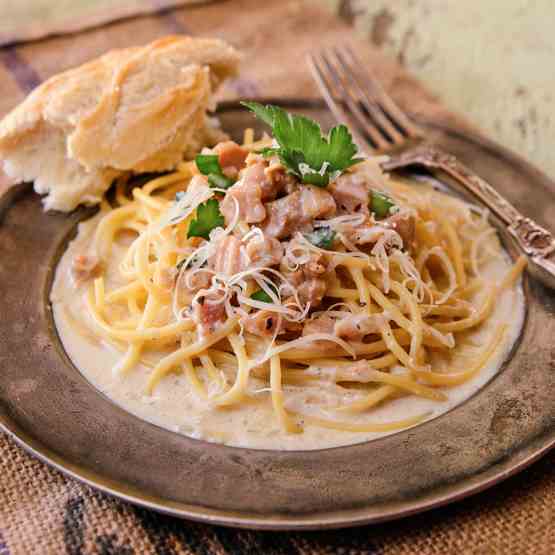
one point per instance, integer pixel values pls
(426, 308)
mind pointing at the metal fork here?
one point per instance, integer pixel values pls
(357, 99)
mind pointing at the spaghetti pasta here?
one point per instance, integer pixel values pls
(249, 319)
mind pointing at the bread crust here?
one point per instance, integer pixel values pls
(136, 109)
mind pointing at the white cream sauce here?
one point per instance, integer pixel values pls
(174, 405)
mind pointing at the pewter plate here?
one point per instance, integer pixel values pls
(50, 409)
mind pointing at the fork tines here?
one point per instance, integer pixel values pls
(359, 100)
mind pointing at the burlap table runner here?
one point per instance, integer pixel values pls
(42, 511)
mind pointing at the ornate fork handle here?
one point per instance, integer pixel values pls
(531, 238)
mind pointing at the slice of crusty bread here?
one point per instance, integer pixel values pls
(138, 109)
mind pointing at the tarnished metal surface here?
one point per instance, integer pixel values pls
(52, 410)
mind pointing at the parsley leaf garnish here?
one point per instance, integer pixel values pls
(219, 181)
(303, 150)
(209, 165)
(380, 204)
(208, 218)
(268, 151)
(262, 296)
(322, 237)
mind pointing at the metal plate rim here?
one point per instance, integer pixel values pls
(348, 517)
(253, 522)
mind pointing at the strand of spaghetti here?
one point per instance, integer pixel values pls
(166, 246)
(166, 364)
(147, 213)
(191, 374)
(142, 269)
(514, 273)
(285, 421)
(474, 261)
(394, 312)
(107, 228)
(122, 293)
(440, 297)
(248, 136)
(473, 320)
(347, 259)
(447, 311)
(129, 323)
(330, 363)
(164, 181)
(148, 334)
(424, 236)
(455, 247)
(130, 272)
(363, 427)
(406, 383)
(152, 202)
(126, 265)
(341, 370)
(343, 293)
(452, 379)
(487, 306)
(299, 377)
(133, 354)
(210, 369)
(133, 305)
(135, 225)
(416, 317)
(360, 349)
(470, 289)
(362, 287)
(237, 391)
(99, 297)
(369, 401)
(381, 362)
(223, 358)
(394, 347)
(308, 339)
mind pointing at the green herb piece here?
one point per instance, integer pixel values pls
(262, 296)
(315, 159)
(208, 218)
(219, 181)
(322, 237)
(209, 165)
(268, 151)
(381, 205)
